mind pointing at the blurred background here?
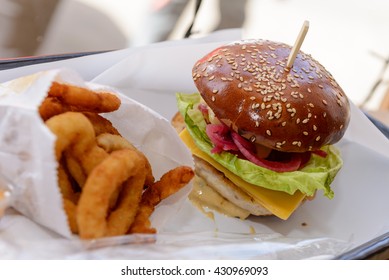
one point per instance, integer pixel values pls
(348, 37)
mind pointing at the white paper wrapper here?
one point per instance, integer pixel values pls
(27, 147)
(321, 228)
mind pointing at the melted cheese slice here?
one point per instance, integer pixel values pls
(279, 203)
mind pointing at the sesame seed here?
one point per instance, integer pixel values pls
(211, 78)
(317, 138)
(248, 88)
(268, 132)
(305, 133)
(324, 102)
(309, 90)
(314, 127)
(215, 91)
(213, 98)
(339, 103)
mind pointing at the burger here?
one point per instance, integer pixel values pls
(262, 133)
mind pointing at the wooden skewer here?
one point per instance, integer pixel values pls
(297, 44)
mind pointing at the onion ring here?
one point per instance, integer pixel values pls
(120, 219)
(70, 210)
(169, 183)
(74, 169)
(84, 99)
(65, 186)
(74, 130)
(110, 142)
(101, 124)
(64, 98)
(51, 106)
(93, 205)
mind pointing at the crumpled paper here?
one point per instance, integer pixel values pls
(27, 147)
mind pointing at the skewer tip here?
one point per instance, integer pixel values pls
(297, 45)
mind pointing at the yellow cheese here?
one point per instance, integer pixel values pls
(279, 203)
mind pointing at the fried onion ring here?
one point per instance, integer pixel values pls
(170, 183)
(84, 99)
(69, 98)
(92, 209)
(70, 210)
(74, 169)
(123, 216)
(75, 130)
(110, 142)
(65, 185)
(51, 106)
(101, 124)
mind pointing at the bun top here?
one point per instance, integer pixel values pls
(249, 88)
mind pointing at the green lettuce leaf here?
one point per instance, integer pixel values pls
(317, 174)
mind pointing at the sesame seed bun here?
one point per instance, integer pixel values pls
(249, 88)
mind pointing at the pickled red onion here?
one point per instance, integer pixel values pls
(292, 164)
(221, 138)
